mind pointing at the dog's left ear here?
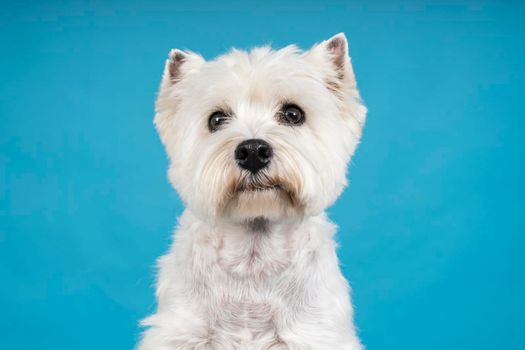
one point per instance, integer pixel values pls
(332, 57)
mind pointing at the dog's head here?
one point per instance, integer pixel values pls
(260, 133)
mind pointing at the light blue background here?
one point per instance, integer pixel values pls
(431, 227)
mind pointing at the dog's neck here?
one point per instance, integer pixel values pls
(258, 225)
(256, 247)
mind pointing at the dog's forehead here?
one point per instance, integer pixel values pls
(262, 61)
(261, 74)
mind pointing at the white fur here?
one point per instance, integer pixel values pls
(256, 269)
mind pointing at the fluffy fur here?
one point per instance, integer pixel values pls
(253, 263)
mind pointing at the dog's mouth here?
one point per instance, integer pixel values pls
(261, 194)
(254, 184)
(258, 183)
(256, 187)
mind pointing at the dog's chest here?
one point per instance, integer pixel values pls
(243, 321)
(255, 318)
(257, 288)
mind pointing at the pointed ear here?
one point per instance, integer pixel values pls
(337, 48)
(178, 64)
(332, 55)
(176, 58)
(332, 59)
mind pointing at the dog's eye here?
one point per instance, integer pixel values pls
(292, 114)
(216, 120)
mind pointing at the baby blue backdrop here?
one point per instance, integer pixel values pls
(431, 227)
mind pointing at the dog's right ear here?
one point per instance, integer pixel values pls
(178, 64)
(174, 63)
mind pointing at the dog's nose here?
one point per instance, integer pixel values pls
(253, 155)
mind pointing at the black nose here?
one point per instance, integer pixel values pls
(253, 155)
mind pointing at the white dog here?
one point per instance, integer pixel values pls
(259, 144)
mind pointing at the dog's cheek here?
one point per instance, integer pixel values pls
(329, 173)
(210, 175)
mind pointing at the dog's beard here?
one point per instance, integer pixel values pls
(257, 182)
(261, 195)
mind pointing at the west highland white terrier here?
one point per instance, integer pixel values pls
(258, 144)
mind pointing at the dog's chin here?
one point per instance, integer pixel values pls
(273, 201)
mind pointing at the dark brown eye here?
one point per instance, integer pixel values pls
(217, 119)
(292, 115)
